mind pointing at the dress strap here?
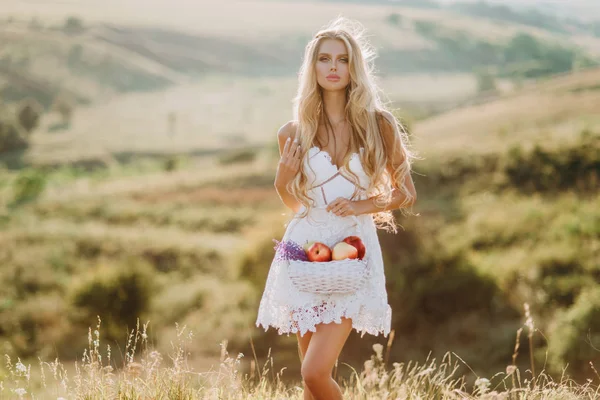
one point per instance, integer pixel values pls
(356, 189)
(327, 180)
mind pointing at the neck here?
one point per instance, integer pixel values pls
(334, 103)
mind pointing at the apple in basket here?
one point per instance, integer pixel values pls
(356, 242)
(319, 252)
(343, 250)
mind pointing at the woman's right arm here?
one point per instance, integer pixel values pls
(289, 164)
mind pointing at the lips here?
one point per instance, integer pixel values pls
(333, 77)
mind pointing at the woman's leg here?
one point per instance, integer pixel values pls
(303, 342)
(325, 347)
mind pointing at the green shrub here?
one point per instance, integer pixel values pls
(171, 163)
(547, 170)
(35, 325)
(119, 294)
(28, 186)
(29, 114)
(394, 19)
(74, 25)
(426, 28)
(561, 281)
(575, 335)
(11, 136)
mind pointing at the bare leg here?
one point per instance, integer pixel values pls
(325, 347)
(303, 342)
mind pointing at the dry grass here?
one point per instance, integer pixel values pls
(146, 373)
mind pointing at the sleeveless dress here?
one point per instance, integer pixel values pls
(290, 310)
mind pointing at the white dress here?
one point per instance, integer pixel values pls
(289, 310)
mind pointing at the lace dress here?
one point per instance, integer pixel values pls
(289, 310)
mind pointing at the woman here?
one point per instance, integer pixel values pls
(344, 160)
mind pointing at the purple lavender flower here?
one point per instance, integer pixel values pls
(289, 250)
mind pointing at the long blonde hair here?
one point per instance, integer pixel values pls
(364, 110)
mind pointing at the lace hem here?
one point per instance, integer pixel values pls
(304, 319)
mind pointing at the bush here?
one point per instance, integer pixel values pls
(11, 136)
(545, 170)
(119, 294)
(171, 163)
(394, 19)
(575, 335)
(29, 114)
(34, 326)
(28, 186)
(426, 28)
(73, 25)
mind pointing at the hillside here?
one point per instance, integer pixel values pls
(155, 43)
(584, 9)
(552, 111)
(224, 75)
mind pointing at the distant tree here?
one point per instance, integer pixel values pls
(486, 81)
(504, 13)
(522, 47)
(73, 25)
(29, 114)
(394, 19)
(425, 28)
(419, 3)
(11, 137)
(560, 59)
(487, 53)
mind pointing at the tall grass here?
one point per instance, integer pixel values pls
(147, 374)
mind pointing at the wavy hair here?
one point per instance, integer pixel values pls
(366, 114)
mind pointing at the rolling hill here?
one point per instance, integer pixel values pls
(554, 110)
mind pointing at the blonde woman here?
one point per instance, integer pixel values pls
(344, 159)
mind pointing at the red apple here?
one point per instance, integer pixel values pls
(343, 250)
(356, 242)
(319, 252)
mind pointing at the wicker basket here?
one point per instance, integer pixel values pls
(339, 276)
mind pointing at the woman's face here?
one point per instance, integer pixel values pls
(332, 65)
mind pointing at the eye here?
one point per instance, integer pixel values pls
(323, 58)
(344, 60)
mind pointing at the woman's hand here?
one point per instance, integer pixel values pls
(343, 207)
(289, 164)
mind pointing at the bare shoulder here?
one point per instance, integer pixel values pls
(287, 130)
(388, 122)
